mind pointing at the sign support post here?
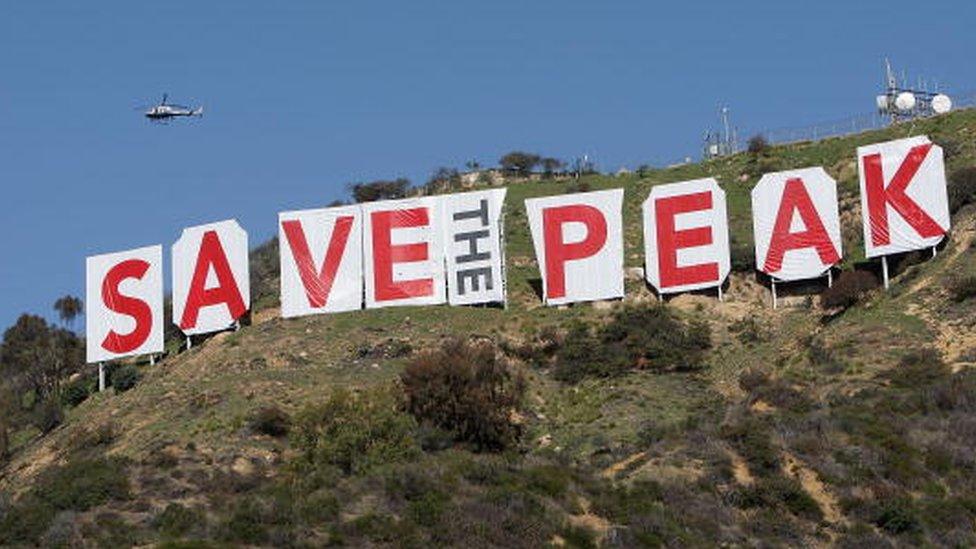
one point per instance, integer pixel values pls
(830, 278)
(884, 270)
(774, 292)
(101, 377)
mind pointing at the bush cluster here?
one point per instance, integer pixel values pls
(77, 486)
(742, 256)
(638, 337)
(125, 377)
(758, 145)
(748, 330)
(176, 520)
(467, 389)
(849, 288)
(355, 432)
(962, 288)
(271, 421)
(962, 188)
(77, 391)
(379, 190)
(776, 491)
(537, 348)
(48, 415)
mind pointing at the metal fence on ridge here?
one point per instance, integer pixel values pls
(840, 127)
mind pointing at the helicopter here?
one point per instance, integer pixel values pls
(165, 111)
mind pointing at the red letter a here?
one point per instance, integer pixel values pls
(212, 256)
(796, 199)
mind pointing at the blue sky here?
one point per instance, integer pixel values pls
(304, 97)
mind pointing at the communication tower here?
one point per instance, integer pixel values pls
(721, 142)
(903, 102)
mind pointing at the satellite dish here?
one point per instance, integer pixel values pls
(941, 104)
(905, 101)
(882, 102)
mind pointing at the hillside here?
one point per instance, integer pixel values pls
(791, 426)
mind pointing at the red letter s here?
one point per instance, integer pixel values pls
(136, 308)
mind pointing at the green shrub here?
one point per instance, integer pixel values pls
(638, 337)
(110, 529)
(657, 340)
(248, 523)
(83, 483)
(748, 330)
(468, 389)
(77, 486)
(176, 520)
(758, 145)
(125, 377)
(271, 421)
(48, 415)
(356, 432)
(962, 288)
(538, 348)
(25, 522)
(781, 394)
(93, 436)
(752, 379)
(428, 509)
(775, 491)
(63, 531)
(751, 438)
(548, 480)
(918, 368)
(579, 537)
(849, 288)
(898, 516)
(962, 188)
(77, 391)
(383, 529)
(319, 506)
(822, 356)
(742, 256)
(578, 187)
(581, 356)
(264, 267)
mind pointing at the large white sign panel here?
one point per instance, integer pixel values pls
(579, 245)
(403, 252)
(473, 242)
(796, 224)
(321, 258)
(211, 277)
(904, 202)
(686, 236)
(124, 304)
